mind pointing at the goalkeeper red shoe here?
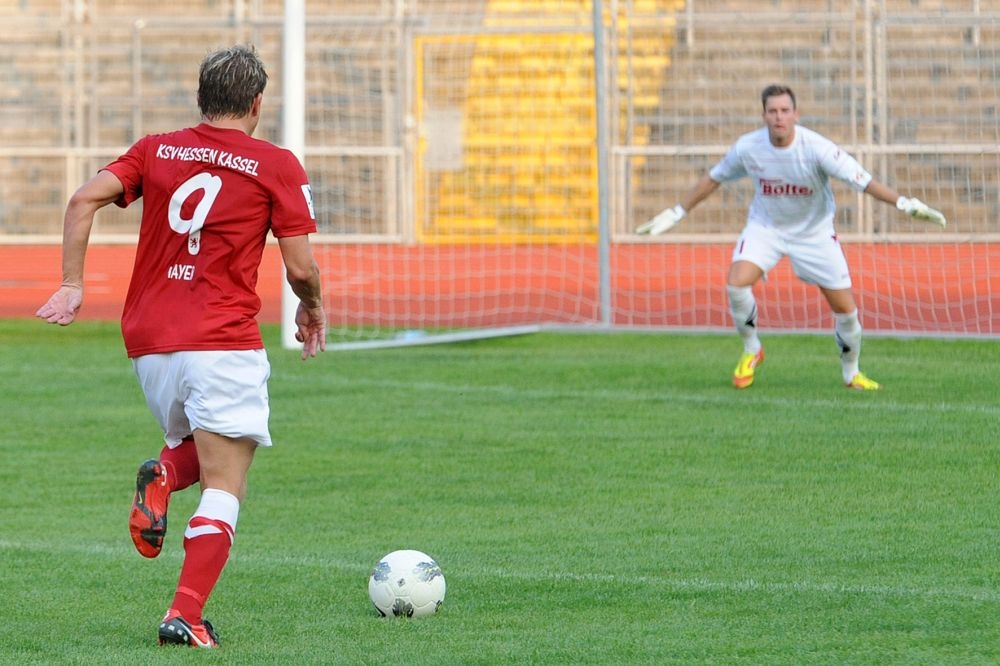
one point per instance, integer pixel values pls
(861, 383)
(147, 522)
(743, 374)
(175, 630)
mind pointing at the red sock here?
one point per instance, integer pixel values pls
(207, 541)
(182, 465)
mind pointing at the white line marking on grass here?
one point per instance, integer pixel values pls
(746, 586)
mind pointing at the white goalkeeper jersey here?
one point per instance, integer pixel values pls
(792, 190)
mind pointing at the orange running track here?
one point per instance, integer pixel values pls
(910, 288)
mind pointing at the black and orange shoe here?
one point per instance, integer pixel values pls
(175, 630)
(147, 522)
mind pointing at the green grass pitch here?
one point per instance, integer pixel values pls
(592, 499)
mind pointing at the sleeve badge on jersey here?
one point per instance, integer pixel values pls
(308, 194)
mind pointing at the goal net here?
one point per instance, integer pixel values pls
(452, 146)
(464, 197)
(453, 150)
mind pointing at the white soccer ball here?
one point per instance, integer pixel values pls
(406, 583)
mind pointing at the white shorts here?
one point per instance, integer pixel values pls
(222, 392)
(816, 260)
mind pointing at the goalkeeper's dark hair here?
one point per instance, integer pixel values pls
(776, 90)
(228, 81)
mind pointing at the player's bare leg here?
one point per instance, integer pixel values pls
(224, 461)
(743, 308)
(848, 334)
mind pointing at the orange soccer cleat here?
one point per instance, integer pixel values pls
(147, 522)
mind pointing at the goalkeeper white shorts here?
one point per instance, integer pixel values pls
(223, 392)
(817, 259)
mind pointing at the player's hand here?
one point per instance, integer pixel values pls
(919, 210)
(665, 221)
(62, 307)
(310, 330)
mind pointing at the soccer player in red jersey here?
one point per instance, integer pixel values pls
(211, 194)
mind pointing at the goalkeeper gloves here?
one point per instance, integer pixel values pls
(664, 221)
(918, 209)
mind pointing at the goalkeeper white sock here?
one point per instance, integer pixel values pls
(743, 308)
(849, 340)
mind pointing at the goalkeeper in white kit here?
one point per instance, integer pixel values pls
(791, 214)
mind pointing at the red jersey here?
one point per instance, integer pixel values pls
(210, 196)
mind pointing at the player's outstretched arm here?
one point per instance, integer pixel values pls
(99, 191)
